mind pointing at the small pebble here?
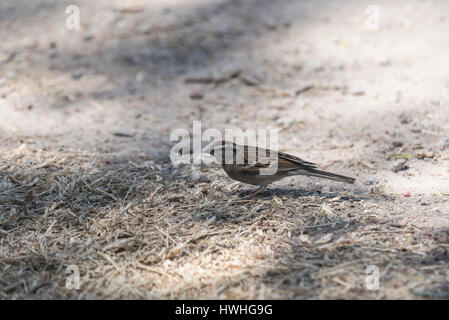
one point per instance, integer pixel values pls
(372, 180)
(424, 155)
(88, 37)
(406, 193)
(77, 75)
(234, 121)
(399, 165)
(429, 154)
(404, 118)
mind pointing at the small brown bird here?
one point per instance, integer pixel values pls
(258, 166)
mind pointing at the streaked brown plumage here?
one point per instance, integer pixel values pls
(253, 161)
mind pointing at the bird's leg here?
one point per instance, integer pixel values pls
(259, 190)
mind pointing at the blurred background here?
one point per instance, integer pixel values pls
(359, 87)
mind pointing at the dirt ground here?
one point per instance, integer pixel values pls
(85, 175)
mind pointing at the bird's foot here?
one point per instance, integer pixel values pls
(255, 193)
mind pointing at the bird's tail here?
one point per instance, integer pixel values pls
(328, 175)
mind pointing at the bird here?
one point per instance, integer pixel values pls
(253, 160)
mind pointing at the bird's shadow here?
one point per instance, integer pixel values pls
(297, 193)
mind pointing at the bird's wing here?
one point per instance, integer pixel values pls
(256, 159)
(298, 161)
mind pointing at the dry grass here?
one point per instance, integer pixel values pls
(138, 229)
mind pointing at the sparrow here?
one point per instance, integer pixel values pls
(261, 167)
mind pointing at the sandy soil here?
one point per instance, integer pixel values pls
(76, 106)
